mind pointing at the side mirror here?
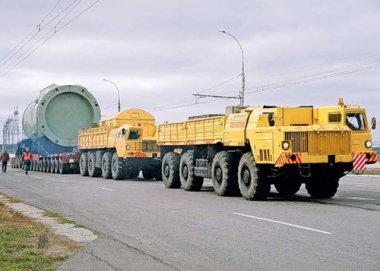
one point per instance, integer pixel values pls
(271, 119)
(373, 122)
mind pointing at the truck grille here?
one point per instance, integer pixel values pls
(320, 142)
(149, 146)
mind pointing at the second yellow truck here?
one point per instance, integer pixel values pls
(120, 146)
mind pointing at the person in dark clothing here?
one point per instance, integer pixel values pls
(4, 157)
(26, 157)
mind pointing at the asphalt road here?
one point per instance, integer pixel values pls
(144, 226)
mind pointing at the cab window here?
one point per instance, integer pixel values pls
(134, 135)
(355, 121)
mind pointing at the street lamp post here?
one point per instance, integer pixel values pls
(118, 93)
(241, 93)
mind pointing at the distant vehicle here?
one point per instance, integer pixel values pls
(51, 124)
(248, 149)
(120, 146)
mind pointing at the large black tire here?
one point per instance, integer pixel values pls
(39, 165)
(48, 162)
(189, 182)
(322, 187)
(56, 166)
(118, 167)
(31, 165)
(170, 170)
(224, 174)
(44, 166)
(93, 171)
(51, 166)
(133, 172)
(83, 164)
(106, 165)
(287, 186)
(157, 172)
(147, 173)
(253, 183)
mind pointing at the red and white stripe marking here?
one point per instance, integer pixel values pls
(285, 158)
(359, 161)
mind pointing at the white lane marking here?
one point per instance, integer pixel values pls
(104, 188)
(36, 177)
(363, 175)
(283, 223)
(358, 198)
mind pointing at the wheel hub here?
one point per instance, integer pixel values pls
(246, 177)
(185, 172)
(166, 170)
(218, 175)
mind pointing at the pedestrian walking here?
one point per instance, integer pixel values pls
(4, 157)
(26, 157)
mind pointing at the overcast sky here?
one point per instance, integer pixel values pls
(161, 52)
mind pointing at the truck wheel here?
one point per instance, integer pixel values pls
(106, 165)
(224, 173)
(93, 171)
(322, 187)
(32, 165)
(158, 172)
(39, 165)
(118, 167)
(189, 182)
(170, 170)
(83, 164)
(147, 173)
(286, 186)
(252, 180)
(132, 172)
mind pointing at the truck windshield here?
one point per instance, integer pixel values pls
(355, 121)
(134, 135)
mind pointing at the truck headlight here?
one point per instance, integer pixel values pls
(285, 145)
(368, 144)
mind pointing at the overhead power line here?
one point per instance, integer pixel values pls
(28, 52)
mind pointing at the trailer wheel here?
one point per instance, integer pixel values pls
(322, 187)
(189, 182)
(224, 174)
(32, 165)
(56, 166)
(83, 164)
(93, 171)
(63, 168)
(48, 162)
(253, 183)
(51, 164)
(39, 165)
(286, 186)
(118, 167)
(106, 165)
(44, 165)
(170, 170)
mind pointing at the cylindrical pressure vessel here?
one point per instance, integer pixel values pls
(59, 113)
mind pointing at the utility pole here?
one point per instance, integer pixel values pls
(242, 91)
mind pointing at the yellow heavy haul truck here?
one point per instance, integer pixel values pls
(120, 146)
(248, 149)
